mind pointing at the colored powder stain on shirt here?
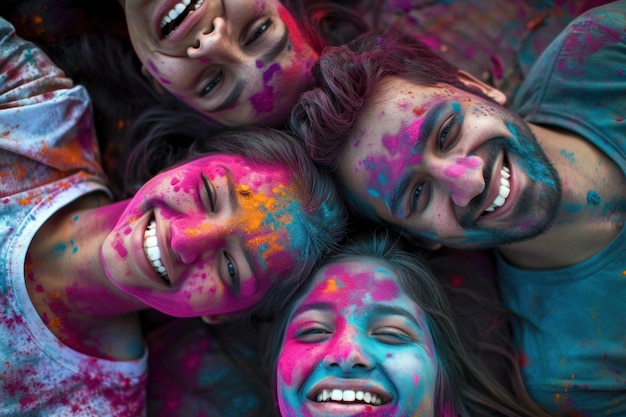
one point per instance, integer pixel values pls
(568, 155)
(593, 198)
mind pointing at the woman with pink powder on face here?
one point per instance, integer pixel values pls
(373, 334)
(237, 62)
(230, 224)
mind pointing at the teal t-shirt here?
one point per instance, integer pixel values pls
(573, 340)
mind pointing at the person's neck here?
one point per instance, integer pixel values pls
(592, 183)
(67, 284)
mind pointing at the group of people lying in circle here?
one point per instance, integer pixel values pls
(337, 182)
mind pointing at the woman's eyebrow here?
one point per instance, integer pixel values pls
(306, 307)
(389, 310)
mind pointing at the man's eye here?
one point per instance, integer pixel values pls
(208, 87)
(415, 196)
(259, 31)
(208, 187)
(233, 276)
(447, 133)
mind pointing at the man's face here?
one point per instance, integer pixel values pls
(449, 166)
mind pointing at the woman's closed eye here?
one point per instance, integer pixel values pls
(210, 191)
(393, 336)
(313, 333)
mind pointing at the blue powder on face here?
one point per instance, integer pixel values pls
(528, 151)
(593, 198)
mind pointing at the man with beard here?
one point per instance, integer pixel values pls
(430, 150)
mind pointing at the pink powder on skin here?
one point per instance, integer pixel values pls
(463, 164)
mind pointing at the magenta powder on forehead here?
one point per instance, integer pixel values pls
(385, 290)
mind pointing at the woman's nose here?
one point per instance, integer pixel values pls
(348, 355)
(191, 240)
(215, 43)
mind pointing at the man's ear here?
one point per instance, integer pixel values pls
(473, 82)
(155, 84)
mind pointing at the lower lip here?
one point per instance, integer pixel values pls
(335, 409)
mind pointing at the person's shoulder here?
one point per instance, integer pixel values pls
(608, 15)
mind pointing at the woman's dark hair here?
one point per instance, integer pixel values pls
(464, 387)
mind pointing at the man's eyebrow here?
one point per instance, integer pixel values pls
(389, 310)
(275, 50)
(232, 97)
(399, 190)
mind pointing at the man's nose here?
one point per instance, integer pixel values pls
(215, 43)
(191, 240)
(463, 177)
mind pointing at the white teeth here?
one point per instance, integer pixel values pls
(503, 192)
(178, 9)
(152, 251)
(348, 396)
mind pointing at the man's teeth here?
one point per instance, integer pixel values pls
(178, 10)
(505, 189)
(348, 396)
(151, 248)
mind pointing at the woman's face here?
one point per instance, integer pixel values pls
(356, 344)
(239, 62)
(206, 237)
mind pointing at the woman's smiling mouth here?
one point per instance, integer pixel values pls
(152, 251)
(177, 14)
(345, 396)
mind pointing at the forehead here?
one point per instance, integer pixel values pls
(359, 281)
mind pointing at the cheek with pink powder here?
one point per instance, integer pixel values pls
(384, 171)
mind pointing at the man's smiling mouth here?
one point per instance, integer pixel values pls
(177, 14)
(349, 396)
(504, 191)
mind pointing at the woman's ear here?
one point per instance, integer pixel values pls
(153, 82)
(473, 82)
